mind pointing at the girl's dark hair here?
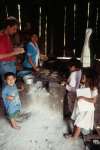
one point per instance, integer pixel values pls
(91, 78)
(9, 74)
(75, 62)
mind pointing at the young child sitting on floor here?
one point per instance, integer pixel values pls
(11, 99)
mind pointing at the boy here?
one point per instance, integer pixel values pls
(11, 99)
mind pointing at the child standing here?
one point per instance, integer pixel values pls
(11, 99)
(72, 84)
(83, 114)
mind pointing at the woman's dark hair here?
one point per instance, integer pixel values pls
(91, 77)
(9, 74)
(10, 22)
(28, 36)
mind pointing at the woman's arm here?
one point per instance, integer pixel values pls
(16, 51)
(31, 62)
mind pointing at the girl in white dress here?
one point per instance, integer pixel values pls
(83, 113)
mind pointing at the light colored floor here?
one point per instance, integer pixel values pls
(44, 128)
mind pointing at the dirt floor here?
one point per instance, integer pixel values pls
(42, 124)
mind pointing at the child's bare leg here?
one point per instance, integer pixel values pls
(14, 124)
(76, 132)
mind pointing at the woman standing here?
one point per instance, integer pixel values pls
(32, 56)
(7, 52)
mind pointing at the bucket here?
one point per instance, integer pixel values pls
(28, 79)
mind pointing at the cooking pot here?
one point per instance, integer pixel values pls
(28, 79)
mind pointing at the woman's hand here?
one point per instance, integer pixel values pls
(18, 51)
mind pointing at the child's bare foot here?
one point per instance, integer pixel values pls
(66, 135)
(73, 138)
(16, 127)
(14, 124)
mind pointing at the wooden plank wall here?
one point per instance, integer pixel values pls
(54, 10)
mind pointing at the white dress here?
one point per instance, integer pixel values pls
(84, 118)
